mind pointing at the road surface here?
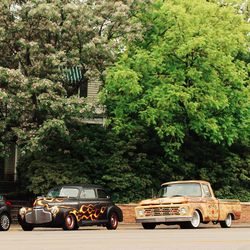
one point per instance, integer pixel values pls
(128, 237)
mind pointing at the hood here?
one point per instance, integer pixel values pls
(166, 201)
(48, 201)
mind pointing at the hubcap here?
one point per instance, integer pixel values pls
(195, 219)
(229, 220)
(114, 220)
(5, 222)
(69, 221)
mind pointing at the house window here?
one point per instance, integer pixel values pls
(83, 88)
(75, 78)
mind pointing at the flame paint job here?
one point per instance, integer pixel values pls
(88, 212)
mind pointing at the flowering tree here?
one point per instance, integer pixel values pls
(39, 41)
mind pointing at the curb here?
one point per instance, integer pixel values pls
(128, 226)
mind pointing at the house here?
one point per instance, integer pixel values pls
(8, 173)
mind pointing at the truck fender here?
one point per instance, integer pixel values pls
(201, 213)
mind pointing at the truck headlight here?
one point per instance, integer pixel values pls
(140, 212)
(183, 210)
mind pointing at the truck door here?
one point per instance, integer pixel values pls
(212, 203)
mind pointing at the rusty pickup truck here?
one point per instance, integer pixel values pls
(188, 204)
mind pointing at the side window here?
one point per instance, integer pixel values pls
(102, 194)
(53, 193)
(88, 194)
(206, 190)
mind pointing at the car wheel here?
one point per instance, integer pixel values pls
(70, 222)
(226, 223)
(113, 221)
(148, 225)
(26, 227)
(4, 222)
(194, 223)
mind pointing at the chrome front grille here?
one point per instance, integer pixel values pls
(38, 216)
(161, 211)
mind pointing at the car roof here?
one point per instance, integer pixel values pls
(80, 186)
(186, 181)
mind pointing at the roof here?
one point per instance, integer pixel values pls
(80, 185)
(186, 181)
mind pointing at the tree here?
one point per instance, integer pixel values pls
(41, 40)
(186, 83)
(185, 76)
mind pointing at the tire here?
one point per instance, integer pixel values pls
(112, 221)
(70, 222)
(184, 225)
(148, 225)
(194, 223)
(226, 223)
(4, 222)
(27, 227)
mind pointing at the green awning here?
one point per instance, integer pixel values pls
(73, 74)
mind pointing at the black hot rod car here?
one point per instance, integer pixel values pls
(71, 206)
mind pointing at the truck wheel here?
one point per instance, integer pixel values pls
(226, 223)
(184, 225)
(148, 225)
(70, 222)
(113, 221)
(4, 222)
(194, 223)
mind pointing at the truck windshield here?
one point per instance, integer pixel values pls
(63, 192)
(181, 189)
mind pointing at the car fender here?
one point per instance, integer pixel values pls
(5, 210)
(117, 210)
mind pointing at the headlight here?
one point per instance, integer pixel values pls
(140, 212)
(22, 211)
(54, 210)
(183, 210)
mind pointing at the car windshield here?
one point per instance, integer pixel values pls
(69, 192)
(180, 189)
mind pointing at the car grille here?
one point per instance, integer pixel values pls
(161, 211)
(38, 216)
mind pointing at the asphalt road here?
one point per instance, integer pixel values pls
(128, 237)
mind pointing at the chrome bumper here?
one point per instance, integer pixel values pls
(38, 216)
(164, 219)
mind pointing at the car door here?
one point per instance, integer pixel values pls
(211, 204)
(90, 211)
(105, 201)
